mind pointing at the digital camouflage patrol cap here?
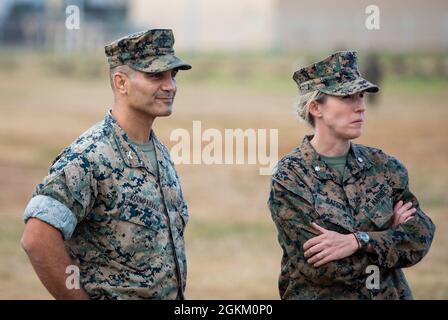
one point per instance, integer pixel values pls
(148, 51)
(336, 75)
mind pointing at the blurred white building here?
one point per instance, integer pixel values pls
(233, 25)
(296, 24)
(210, 25)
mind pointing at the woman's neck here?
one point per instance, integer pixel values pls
(330, 146)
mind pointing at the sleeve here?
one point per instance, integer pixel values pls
(292, 212)
(65, 196)
(409, 242)
(183, 204)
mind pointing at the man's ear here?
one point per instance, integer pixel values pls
(315, 109)
(121, 82)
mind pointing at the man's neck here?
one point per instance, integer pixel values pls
(330, 146)
(136, 125)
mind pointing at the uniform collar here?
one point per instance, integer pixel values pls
(133, 157)
(356, 161)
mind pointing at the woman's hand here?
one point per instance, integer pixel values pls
(402, 213)
(329, 246)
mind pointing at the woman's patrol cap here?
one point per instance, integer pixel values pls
(337, 75)
(148, 51)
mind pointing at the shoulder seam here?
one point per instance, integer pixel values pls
(82, 150)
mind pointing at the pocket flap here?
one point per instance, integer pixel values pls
(379, 206)
(334, 212)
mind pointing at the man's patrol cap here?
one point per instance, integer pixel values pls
(337, 75)
(148, 51)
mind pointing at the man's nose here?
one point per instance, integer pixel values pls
(169, 83)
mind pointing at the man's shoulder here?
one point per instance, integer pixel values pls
(88, 147)
(95, 137)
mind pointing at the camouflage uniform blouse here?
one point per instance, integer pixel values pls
(123, 227)
(305, 190)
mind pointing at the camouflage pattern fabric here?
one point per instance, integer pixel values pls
(305, 190)
(128, 241)
(148, 51)
(337, 75)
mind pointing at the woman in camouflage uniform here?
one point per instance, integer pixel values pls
(346, 220)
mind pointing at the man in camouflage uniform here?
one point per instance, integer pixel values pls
(332, 225)
(110, 206)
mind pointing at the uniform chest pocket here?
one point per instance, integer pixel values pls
(142, 212)
(333, 213)
(378, 205)
(141, 234)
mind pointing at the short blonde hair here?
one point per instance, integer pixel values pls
(302, 108)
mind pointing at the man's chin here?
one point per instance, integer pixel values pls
(165, 113)
(163, 110)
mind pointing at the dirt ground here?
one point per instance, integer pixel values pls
(231, 242)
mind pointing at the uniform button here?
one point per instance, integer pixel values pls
(360, 159)
(317, 168)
